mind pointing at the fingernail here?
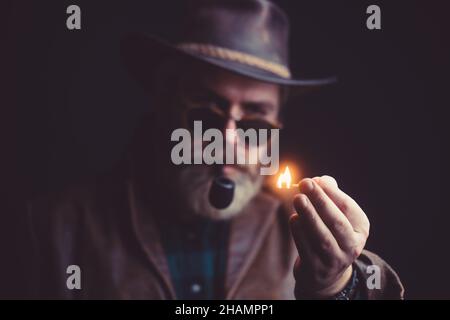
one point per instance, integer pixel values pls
(306, 186)
(330, 179)
(301, 201)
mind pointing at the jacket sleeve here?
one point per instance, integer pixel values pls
(377, 280)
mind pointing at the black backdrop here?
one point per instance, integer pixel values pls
(69, 108)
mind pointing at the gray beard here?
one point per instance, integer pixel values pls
(195, 181)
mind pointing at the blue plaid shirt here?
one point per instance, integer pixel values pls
(196, 253)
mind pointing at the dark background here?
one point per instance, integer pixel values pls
(68, 109)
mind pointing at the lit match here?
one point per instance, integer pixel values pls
(285, 179)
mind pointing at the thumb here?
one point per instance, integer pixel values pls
(328, 181)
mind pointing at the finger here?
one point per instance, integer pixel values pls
(331, 215)
(346, 204)
(305, 250)
(309, 261)
(320, 237)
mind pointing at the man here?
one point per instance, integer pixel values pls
(148, 229)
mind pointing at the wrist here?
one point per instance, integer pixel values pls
(336, 287)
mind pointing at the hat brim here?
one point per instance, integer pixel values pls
(142, 54)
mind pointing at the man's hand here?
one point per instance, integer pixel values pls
(330, 232)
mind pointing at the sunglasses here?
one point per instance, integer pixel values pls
(213, 117)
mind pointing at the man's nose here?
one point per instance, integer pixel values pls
(231, 125)
(230, 131)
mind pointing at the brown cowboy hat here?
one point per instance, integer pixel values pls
(248, 37)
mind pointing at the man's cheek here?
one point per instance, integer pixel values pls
(253, 153)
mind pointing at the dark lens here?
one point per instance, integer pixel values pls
(210, 119)
(256, 124)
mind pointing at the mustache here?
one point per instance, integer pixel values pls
(217, 168)
(194, 183)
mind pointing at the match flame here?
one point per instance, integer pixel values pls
(284, 178)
